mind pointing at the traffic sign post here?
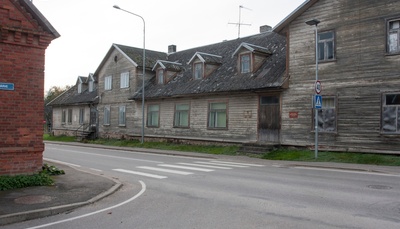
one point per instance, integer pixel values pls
(318, 87)
(318, 102)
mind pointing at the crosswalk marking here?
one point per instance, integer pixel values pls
(220, 164)
(205, 166)
(186, 167)
(228, 163)
(140, 173)
(165, 170)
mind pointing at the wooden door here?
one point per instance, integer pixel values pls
(269, 119)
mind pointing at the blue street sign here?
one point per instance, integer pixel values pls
(7, 86)
(318, 102)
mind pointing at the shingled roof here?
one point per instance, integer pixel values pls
(225, 78)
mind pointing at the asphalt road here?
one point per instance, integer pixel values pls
(163, 191)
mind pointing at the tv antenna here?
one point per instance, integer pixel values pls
(240, 18)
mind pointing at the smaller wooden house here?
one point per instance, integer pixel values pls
(75, 111)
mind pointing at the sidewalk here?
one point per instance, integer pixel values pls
(78, 188)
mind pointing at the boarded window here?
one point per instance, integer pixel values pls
(327, 115)
(107, 115)
(326, 46)
(393, 39)
(153, 113)
(391, 113)
(181, 115)
(217, 115)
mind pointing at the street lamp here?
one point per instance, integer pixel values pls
(315, 22)
(144, 63)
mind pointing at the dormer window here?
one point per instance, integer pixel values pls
(245, 63)
(160, 76)
(91, 85)
(198, 70)
(79, 87)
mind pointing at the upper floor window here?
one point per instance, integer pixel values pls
(217, 117)
(198, 71)
(391, 113)
(327, 115)
(245, 63)
(91, 85)
(326, 46)
(181, 115)
(160, 76)
(108, 83)
(393, 40)
(153, 114)
(124, 80)
(79, 87)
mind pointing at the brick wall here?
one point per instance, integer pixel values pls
(22, 50)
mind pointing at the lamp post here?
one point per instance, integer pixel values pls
(315, 22)
(144, 64)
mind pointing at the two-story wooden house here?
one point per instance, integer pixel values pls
(358, 66)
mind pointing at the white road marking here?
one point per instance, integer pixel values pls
(220, 164)
(97, 170)
(205, 166)
(347, 171)
(96, 212)
(186, 167)
(164, 170)
(140, 173)
(61, 162)
(234, 163)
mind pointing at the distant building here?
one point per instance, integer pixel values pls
(24, 36)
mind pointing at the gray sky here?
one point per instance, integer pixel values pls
(88, 28)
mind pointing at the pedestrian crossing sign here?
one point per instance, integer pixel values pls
(318, 102)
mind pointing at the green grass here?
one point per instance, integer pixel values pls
(48, 137)
(340, 157)
(22, 181)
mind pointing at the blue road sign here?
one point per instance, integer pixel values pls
(318, 102)
(7, 86)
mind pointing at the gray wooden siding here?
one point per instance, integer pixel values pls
(358, 76)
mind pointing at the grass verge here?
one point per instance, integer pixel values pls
(48, 137)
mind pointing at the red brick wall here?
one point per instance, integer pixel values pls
(22, 53)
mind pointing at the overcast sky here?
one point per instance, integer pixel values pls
(88, 28)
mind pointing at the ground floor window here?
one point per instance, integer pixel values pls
(153, 113)
(107, 115)
(217, 117)
(391, 113)
(327, 115)
(81, 115)
(181, 118)
(69, 116)
(121, 116)
(63, 116)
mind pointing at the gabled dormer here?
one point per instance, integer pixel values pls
(250, 57)
(91, 82)
(81, 84)
(203, 64)
(166, 70)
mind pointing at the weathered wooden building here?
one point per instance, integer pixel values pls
(75, 111)
(24, 36)
(358, 53)
(224, 92)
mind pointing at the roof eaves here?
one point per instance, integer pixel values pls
(125, 55)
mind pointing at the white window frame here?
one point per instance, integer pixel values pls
(79, 88)
(153, 115)
(326, 46)
(122, 116)
(107, 116)
(124, 83)
(91, 85)
(393, 36)
(160, 76)
(108, 83)
(388, 122)
(329, 110)
(245, 65)
(198, 70)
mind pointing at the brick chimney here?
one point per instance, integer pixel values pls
(265, 28)
(171, 49)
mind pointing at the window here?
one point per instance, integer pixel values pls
(217, 115)
(198, 71)
(108, 83)
(326, 46)
(153, 115)
(391, 113)
(91, 86)
(124, 80)
(160, 76)
(69, 116)
(181, 115)
(326, 115)
(63, 116)
(122, 116)
(245, 63)
(81, 115)
(107, 115)
(79, 87)
(393, 36)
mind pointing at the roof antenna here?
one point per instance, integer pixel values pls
(240, 23)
